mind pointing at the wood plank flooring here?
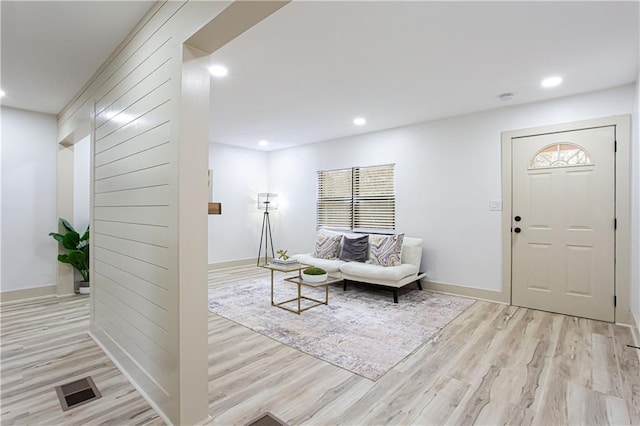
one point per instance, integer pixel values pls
(494, 364)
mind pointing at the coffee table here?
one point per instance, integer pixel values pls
(302, 283)
(297, 279)
(273, 267)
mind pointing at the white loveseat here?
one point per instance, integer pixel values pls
(391, 277)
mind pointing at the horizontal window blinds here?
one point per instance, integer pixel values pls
(374, 199)
(335, 208)
(361, 198)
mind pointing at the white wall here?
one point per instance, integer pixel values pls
(28, 199)
(635, 207)
(81, 183)
(239, 174)
(149, 172)
(447, 171)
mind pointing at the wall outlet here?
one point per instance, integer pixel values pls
(495, 205)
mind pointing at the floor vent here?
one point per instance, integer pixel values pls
(267, 420)
(77, 393)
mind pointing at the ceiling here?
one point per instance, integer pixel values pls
(304, 73)
(50, 49)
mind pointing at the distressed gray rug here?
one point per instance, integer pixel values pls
(361, 330)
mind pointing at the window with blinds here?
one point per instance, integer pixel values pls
(359, 199)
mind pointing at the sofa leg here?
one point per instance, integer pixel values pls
(344, 285)
(419, 282)
(395, 295)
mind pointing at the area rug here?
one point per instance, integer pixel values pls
(361, 330)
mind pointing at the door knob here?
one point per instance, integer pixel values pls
(517, 218)
(517, 230)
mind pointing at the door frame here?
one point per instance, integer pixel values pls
(622, 125)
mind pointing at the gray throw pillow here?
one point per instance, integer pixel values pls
(355, 249)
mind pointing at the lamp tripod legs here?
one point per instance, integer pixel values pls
(268, 240)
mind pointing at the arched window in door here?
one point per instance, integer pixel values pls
(561, 154)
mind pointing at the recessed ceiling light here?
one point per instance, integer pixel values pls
(218, 70)
(551, 81)
(2, 93)
(359, 121)
(263, 143)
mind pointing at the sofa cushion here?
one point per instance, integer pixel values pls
(385, 250)
(354, 249)
(412, 251)
(367, 270)
(329, 265)
(327, 246)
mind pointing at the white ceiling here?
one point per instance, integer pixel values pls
(304, 73)
(50, 49)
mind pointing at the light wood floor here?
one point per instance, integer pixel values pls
(494, 364)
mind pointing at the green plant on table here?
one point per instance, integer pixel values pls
(314, 271)
(77, 246)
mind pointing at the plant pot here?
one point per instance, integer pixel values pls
(314, 278)
(84, 288)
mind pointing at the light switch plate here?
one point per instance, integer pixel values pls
(495, 205)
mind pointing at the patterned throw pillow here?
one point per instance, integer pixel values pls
(385, 250)
(327, 246)
(354, 249)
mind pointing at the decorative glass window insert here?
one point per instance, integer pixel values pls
(562, 154)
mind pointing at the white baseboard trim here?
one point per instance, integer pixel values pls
(27, 294)
(472, 292)
(635, 329)
(231, 264)
(107, 346)
(625, 319)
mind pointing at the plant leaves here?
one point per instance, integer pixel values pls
(85, 236)
(71, 240)
(56, 236)
(67, 225)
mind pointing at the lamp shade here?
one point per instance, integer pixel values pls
(267, 201)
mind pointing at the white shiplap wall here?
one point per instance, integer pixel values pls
(134, 103)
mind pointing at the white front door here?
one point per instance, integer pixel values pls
(563, 236)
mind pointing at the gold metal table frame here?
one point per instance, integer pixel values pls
(301, 283)
(297, 279)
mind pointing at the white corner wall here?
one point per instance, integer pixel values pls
(447, 172)
(29, 152)
(239, 174)
(635, 207)
(81, 183)
(148, 173)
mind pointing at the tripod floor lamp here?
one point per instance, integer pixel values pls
(267, 201)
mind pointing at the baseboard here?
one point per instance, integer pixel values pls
(231, 264)
(116, 354)
(635, 329)
(27, 294)
(625, 319)
(472, 292)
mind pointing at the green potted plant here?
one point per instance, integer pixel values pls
(78, 252)
(314, 275)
